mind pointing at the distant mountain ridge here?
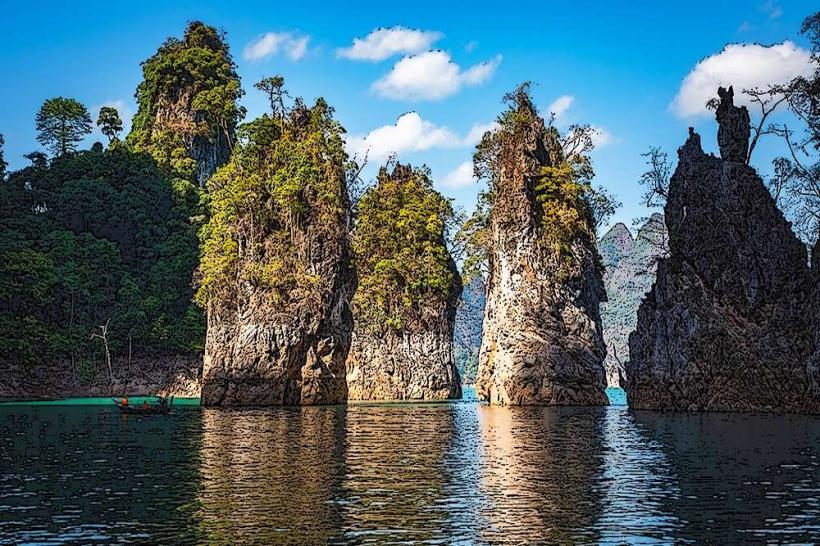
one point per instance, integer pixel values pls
(467, 332)
(629, 271)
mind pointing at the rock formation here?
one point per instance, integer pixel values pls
(188, 109)
(727, 325)
(277, 275)
(409, 287)
(467, 330)
(629, 271)
(542, 341)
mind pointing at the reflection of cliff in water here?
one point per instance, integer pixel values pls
(741, 477)
(269, 475)
(394, 489)
(538, 467)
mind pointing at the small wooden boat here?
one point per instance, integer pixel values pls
(163, 407)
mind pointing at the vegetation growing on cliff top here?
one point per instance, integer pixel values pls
(569, 206)
(286, 176)
(189, 92)
(402, 260)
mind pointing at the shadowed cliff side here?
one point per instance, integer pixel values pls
(727, 324)
(405, 305)
(542, 341)
(276, 273)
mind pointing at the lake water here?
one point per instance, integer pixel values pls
(458, 473)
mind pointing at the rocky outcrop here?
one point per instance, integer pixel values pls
(405, 365)
(629, 271)
(727, 325)
(279, 317)
(467, 329)
(172, 375)
(542, 340)
(402, 345)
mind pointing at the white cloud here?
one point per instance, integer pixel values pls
(412, 133)
(291, 44)
(470, 46)
(386, 42)
(560, 105)
(772, 9)
(477, 131)
(743, 66)
(460, 177)
(600, 137)
(431, 75)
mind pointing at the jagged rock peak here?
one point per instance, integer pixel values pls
(542, 342)
(734, 127)
(728, 323)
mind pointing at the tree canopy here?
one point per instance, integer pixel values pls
(109, 122)
(283, 177)
(400, 249)
(61, 124)
(93, 237)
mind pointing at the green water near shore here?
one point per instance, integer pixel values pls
(97, 401)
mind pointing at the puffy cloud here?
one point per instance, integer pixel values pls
(431, 75)
(291, 44)
(460, 177)
(600, 137)
(386, 42)
(742, 65)
(411, 133)
(560, 105)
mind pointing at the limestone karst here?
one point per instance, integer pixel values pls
(276, 270)
(629, 271)
(542, 341)
(405, 305)
(187, 104)
(728, 324)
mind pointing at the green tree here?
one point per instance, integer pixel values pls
(109, 122)
(61, 124)
(273, 87)
(282, 182)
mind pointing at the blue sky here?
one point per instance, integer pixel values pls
(622, 64)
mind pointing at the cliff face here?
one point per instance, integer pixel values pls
(409, 287)
(629, 271)
(467, 330)
(726, 326)
(542, 341)
(276, 267)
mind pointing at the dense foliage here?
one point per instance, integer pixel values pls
(286, 176)
(91, 238)
(3, 163)
(109, 123)
(401, 255)
(188, 94)
(569, 206)
(61, 124)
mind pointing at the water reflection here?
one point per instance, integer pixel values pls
(434, 474)
(269, 475)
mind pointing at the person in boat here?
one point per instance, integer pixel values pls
(124, 400)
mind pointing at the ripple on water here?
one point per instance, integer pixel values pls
(436, 474)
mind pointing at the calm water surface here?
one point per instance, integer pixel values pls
(459, 473)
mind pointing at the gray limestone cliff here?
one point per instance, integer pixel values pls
(728, 324)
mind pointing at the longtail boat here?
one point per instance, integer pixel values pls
(162, 407)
